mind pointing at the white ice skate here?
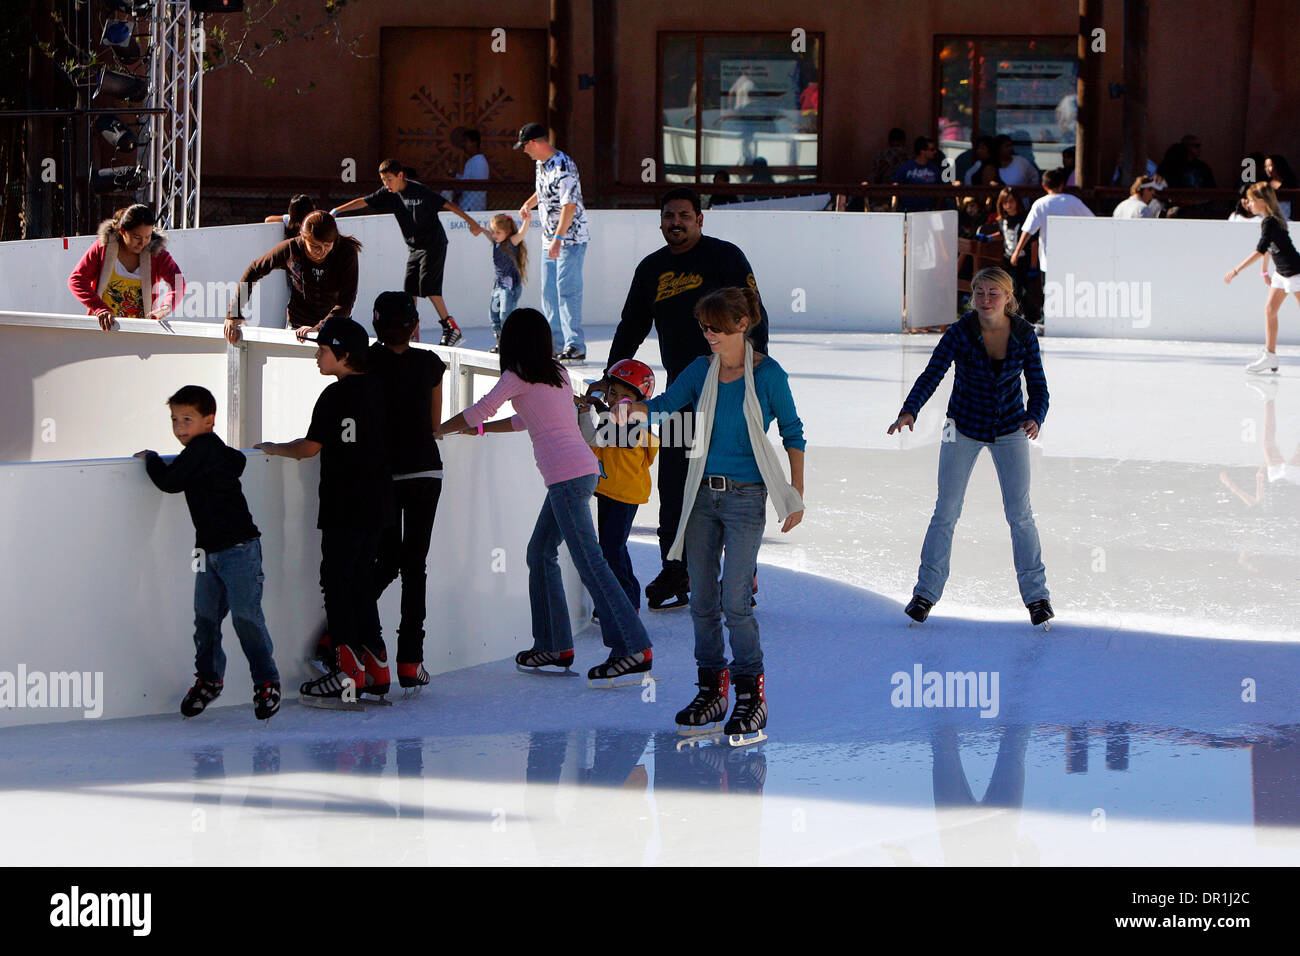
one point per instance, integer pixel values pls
(1267, 362)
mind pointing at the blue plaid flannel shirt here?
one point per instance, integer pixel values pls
(983, 405)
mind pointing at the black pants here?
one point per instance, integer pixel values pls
(613, 525)
(404, 550)
(672, 481)
(347, 574)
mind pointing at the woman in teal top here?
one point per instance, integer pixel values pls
(737, 394)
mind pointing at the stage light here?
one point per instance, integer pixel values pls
(118, 179)
(120, 36)
(118, 135)
(121, 86)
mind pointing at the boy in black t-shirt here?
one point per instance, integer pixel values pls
(227, 549)
(416, 208)
(356, 504)
(412, 380)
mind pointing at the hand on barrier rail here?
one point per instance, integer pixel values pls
(231, 329)
(106, 320)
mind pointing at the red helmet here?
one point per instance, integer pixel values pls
(634, 374)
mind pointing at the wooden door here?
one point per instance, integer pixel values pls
(437, 81)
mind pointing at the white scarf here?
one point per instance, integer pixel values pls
(783, 496)
(146, 273)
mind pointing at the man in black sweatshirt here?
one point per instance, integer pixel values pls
(227, 552)
(665, 288)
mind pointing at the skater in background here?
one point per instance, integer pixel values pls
(510, 264)
(992, 347)
(412, 384)
(127, 272)
(299, 207)
(349, 432)
(415, 207)
(737, 392)
(229, 549)
(543, 399)
(321, 265)
(625, 456)
(1274, 241)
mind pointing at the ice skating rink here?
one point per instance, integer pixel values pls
(1158, 722)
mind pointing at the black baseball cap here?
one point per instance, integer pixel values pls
(395, 310)
(530, 131)
(344, 334)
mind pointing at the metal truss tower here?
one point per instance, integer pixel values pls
(176, 85)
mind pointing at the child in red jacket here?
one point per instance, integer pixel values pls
(123, 274)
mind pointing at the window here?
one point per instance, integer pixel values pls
(1024, 87)
(753, 99)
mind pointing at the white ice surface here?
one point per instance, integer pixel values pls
(1121, 737)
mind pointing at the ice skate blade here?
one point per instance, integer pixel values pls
(336, 703)
(680, 602)
(567, 672)
(715, 738)
(688, 730)
(1045, 626)
(627, 680)
(912, 623)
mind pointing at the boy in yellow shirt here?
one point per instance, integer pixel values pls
(625, 454)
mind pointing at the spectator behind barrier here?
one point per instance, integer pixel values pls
(127, 272)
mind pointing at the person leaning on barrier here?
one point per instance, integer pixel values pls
(127, 272)
(322, 268)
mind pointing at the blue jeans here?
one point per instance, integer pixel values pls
(613, 525)
(502, 304)
(730, 521)
(566, 516)
(562, 294)
(232, 582)
(956, 459)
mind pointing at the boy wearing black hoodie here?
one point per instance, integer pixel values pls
(228, 552)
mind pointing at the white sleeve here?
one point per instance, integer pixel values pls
(1033, 222)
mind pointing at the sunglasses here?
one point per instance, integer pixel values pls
(706, 327)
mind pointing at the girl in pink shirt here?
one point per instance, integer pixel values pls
(542, 394)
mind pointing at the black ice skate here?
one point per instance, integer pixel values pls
(672, 588)
(266, 700)
(630, 671)
(551, 663)
(199, 696)
(750, 716)
(1040, 612)
(705, 713)
(451, 333)
(918, 609)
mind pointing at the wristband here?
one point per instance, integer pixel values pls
(480, 429)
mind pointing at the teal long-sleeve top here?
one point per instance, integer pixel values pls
(730, 452)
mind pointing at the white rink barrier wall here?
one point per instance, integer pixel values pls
(96, 576)
(830, 271)
(1158, 279)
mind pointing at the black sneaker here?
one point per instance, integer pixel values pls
(918, 609)
(199, 696)
(571, 354)
(266, 699)
(672, 588)
(451, 333)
